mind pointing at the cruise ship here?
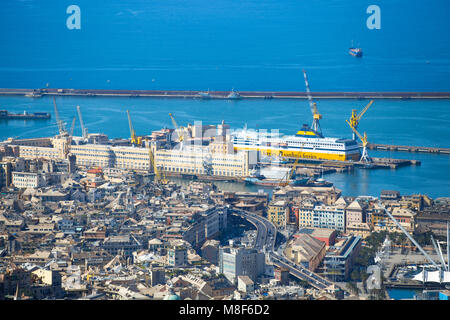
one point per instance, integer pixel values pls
(306, 144)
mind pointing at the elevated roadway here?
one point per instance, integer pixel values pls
(265, 241)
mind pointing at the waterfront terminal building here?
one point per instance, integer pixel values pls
(216, 159)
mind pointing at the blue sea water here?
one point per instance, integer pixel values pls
(403, 122)
(402, 294)
(221, 44)
(246, 45)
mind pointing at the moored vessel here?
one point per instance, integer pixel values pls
(305, 144)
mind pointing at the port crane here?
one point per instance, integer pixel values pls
(316, 115)
(178, 129)
(84, 131)
(69, 140)
(365, 155)
(160, 177)
(290, 174)
(61, 127)
(355, 118)
(135, 140)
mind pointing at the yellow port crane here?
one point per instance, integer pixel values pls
(135, 140)
(355, 118)
(364, 156)
(294, 168)
(160, 177)
(179, 130)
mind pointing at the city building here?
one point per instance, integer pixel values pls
(245, 284)
(339, 259)
(177, 256)
(328, 236)
(210, 251)
(29, 179)
(389, 195)
(434, 218)
(157, 276)
(282, 275)
(191, 159)
(305, 212)
(355, 214)
(306, 250)
(5, 174)
(121, 244)
(277, 213)
(330, 217)
(239, 261)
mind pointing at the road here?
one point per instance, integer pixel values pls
(266, 231)
(265, 241)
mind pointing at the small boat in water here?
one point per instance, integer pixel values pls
(319, 183)
(275, 176)
(354, 51)
(33, 95)
(234, 95)
(204, 95)
(261, 181)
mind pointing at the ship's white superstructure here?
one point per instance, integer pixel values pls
(305, 144)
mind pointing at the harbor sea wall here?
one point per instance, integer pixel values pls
(223, 94)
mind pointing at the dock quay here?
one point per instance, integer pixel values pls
(315, 169)
(412, 286)
(331, 166)
(203, 177)
(36, 93)
(388, 147)
(394, 163)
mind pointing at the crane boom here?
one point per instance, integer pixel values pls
(294, 167)
(363, 139)
(355, 118)
(308, 93)
(178, 129)
(316, 116)
(83, 128)
(364, 110)
(364, 156)
(134, 138)
(159, 175)
(69, 139)
(72, 126)
(60, 124)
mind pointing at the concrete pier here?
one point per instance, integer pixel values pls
(35, 93)
(388, 147)
(329, 166)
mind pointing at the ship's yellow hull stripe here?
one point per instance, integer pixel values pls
(306, 133)
(304, 154)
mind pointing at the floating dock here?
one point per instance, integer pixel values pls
(35, 93)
